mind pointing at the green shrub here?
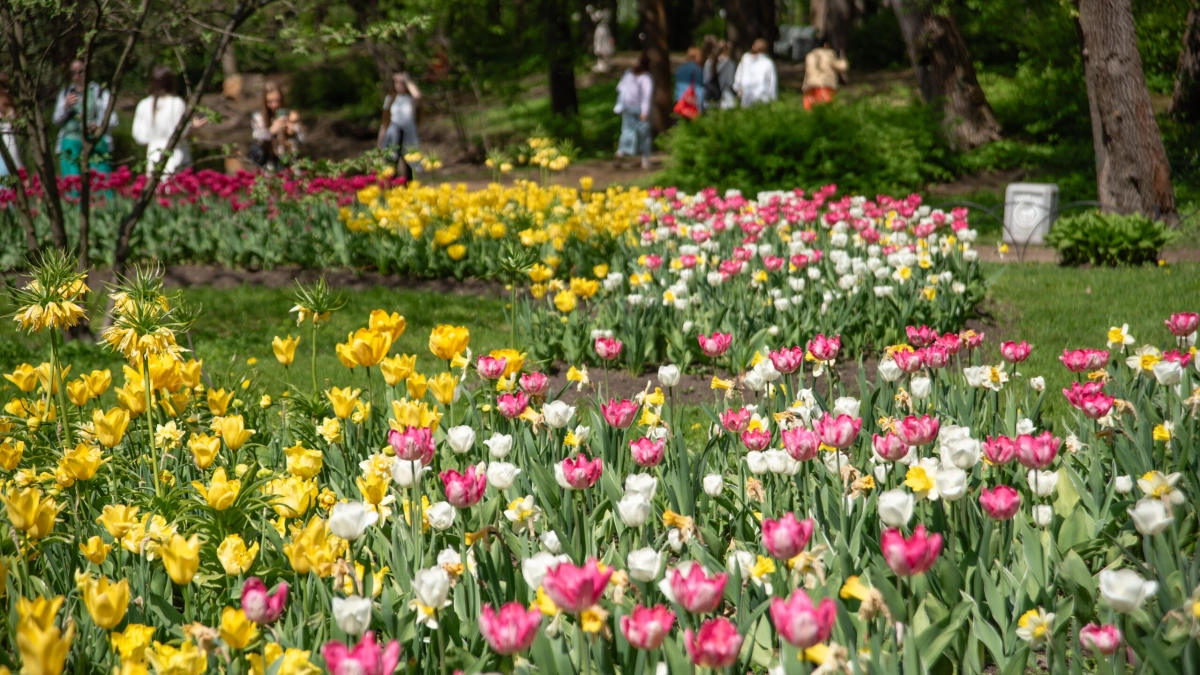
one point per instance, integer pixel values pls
(865, 146)
(1110, 239)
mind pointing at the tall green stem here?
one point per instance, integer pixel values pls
(57, 387)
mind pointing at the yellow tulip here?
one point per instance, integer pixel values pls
(295, 662)
(29, 512)
(10, 454)
(417, 384)
(513, 360)
(98, 381)
(38, 612)
(259, 663)
(181, 557)
(220, 493)
(235, 557)
(190, 373)
(566, 301)
(374, 487)
(415, 414)
(397, 368)
(24, 376)
(345, 355)
(348, 585)
(44, 377)
(78, 392)
(234, 432)
(165, 373)
(218, 401)
(368, 347)
(204, 449)
(304, 551)
(110, 426)
(117, 519)
(82, 462)
(133, 642)
(132, 397)
(330, 429)
(343, 401)
(445, 341)
(106, 602)
(95, 550)
(443, 388)
(285, 350)
(177, 403)
(147, 536)
(392, 324)
(187, 659)
(304, 462)
(44, 650)
(293, 496)
(236, 630)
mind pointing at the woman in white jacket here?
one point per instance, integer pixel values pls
(156, 118)
(755, 80)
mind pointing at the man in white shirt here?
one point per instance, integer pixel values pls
(755, 80)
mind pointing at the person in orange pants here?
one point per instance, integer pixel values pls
(822, 71)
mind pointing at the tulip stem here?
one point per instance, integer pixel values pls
(57, 387)
(150, 422)
(314, 356)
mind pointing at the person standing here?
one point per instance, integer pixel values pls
(277, 131)
(603, 44)
(823, 70)
(690, 75)
(755, 79)
(8, 115)
(718, 78)
(155, 120)
(634, 93)
(398, 132)
(68, 115)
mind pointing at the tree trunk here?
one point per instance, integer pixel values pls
(945, 73)
(23, 209)
(837, 19)
(1185, 104)
(747, 21)
(655, 25)
(365, 13)
(1133, 174)
(561, 54)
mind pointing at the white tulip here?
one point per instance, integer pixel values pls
(406, 473)
(834, 461)
(754, 381)
(1123, 485)
(558, 414)
(889, 371)
(634, 509)
(951, 483)
(847, 405)
(1150, 516)
(757, 462)
(644, 564)
(668, 375)
(461, 439)
(714, 484)
(534, 567)
(440, 515)
(352, 614)
(501, 475)
(1038, 383)
(961, 452)
(881, 471)
(1125, 590)
(895, 507)
(1025, 426)
(1042, 482)
(1042, 515)
(674, 539)
(740, 563)
(349, 520)
(641, 483)
(781, 463)
(1168, 373)
(549, 539)
(499, 445)
(920, 387)
(581, 433)
(432, 588)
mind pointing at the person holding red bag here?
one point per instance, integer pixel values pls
(689, 86)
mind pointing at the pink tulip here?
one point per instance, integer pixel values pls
(801, 443)
(716, 344)
(1076, 360)
(580, 472)
(737, 420)
(935, 356)
(510, 630)
(535, 383)
(1104, 639)
(823, 348)
(773, 263)
(697, 592)
(365, 659)
(261, 607)
(921, 337)
(491, 368)
(1000, 450)
(574, 589)
(1097, 359)
(910, 556)
(413, 444)
(1037, 452)
(1183, 324)
(716, 645)
(839, 432)
(1096, 405)
(619, 414)
(1001, 503)
(951, 342)
(647, 452)
(1078, 390)
(918, 430)
(971, 338)
(512, 405)
(889, 447)
(464, 490)
(799, 623)
(608, 348)
(1015, 352)
(786, 537)
(647, 627)
(756, 439)
(787, 359)
(1176, 356)
(909, 362)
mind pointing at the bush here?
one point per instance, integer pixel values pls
(1109, 239)
(865, 146)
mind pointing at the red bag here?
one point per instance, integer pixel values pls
(686, 105)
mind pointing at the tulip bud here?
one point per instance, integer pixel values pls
(895, 507)
(350, 520)
(714, 484)
(500, 475)
(668, 375)
(440, 515)
(461, 439)
(558, 414)
(499, 445)
(1150, 516)
(1123, 485)
(352, 614)
(644, 564)
(549, 539)
(1037, 384)
(920, 387)
(634, 509)
(1042, 482)
(1043, 514)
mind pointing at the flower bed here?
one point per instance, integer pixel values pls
(470, 519)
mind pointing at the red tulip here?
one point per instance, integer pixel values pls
(464, 490)
(365, 659)
(1104, 639)
(491, 368)
(581, 473)
(786, 537)
(608, 348)
(823, 348)
(921, 337)
(914, 555)
(889, 447)
(512, 405)
(716, 344)
(1000, 451)
(1001, 503)
(918, 430)
(261, 607)
(413, 444)
(839, 432)
(1037, 452)
(619, 413)
(737, 420)
(799, 623)
(535, 383)
(647, 452)
(697, 592)
(801, 443)
(510, 630)
(787, 359)
(1183, 324)
(716, 645)
(574, 589)
(756, 439)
